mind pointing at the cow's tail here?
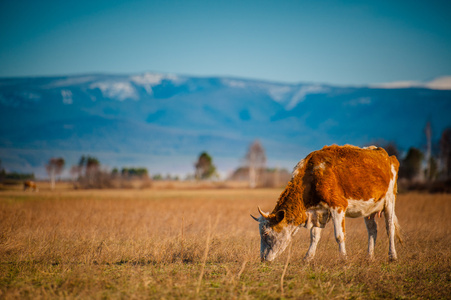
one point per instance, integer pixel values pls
(395, 165)
(398, 231)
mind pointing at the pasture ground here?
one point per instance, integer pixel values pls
(153, 244)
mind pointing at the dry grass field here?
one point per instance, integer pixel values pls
(154, 244)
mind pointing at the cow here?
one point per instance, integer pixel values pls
(30, 185)
(331, 184)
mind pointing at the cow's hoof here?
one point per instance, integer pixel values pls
(392, 259)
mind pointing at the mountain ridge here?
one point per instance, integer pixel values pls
(167, 116)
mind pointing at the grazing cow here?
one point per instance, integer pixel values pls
(333, 183)
(30, 185)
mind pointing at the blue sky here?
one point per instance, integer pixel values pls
(349, 42)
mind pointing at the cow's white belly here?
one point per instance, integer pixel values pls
(363, 208)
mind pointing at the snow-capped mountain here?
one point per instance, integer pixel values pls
(163, 121)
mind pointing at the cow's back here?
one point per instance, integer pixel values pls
(340, 173)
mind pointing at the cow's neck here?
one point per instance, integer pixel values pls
(291, 201)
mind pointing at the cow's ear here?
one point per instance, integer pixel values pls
(280, 215)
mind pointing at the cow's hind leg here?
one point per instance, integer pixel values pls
(338, 217)
(315, 235)
(371, 226)
(390, 220)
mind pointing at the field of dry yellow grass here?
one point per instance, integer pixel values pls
(156, 243)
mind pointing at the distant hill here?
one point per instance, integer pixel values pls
(163, 121)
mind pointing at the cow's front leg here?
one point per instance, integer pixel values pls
(315, 235)
(338, 217)
(371, 227)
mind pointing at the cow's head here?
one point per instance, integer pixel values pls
(275, 234)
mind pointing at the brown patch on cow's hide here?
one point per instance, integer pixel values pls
(331, 176)
(352, 173)
(292, 201)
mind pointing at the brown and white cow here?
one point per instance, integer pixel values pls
(333, 183)
(30, 185)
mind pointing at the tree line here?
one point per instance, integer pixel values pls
(13, 176)
(253, 169)
(429, 169)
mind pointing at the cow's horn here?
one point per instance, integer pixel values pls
(254, 218)
(265, 215)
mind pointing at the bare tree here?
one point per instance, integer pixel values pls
(54, 167)
(75, 171)
(256, 162)
(90, 175)
(92, 168)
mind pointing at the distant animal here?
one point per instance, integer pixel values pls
(333, 183)
(30, 185)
